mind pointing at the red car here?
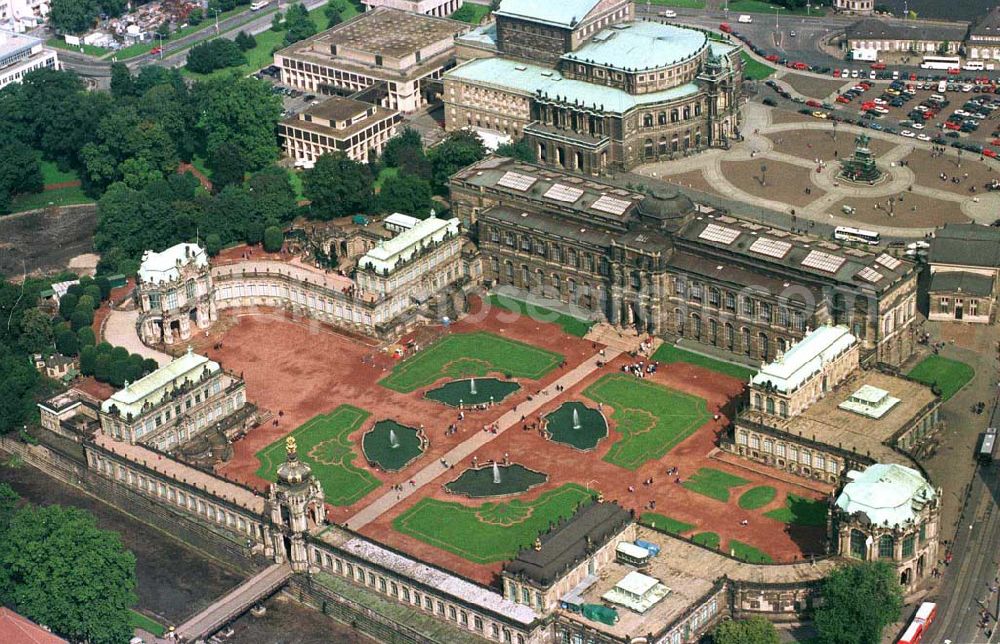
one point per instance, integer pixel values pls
(952, 126)
(995, 142)
(987, 152)
(843, 99)
(953, 71)
(836, 73)
(813, 103)
(878, 66)
(799, 65)
(155, 50)
(773, 58)
(725, 28)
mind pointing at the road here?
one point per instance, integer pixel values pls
(964, 590)
(175, 51)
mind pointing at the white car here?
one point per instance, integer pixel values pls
(917, 126)
(845, 73)
(908, 134)
(924, 137)
(918, 245)
(854, 73)
(669, 13)
(880, 110)
(966, 88)
(871, 75)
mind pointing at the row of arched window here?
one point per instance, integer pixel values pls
(676, 115)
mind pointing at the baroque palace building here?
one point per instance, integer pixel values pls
(667, 266)
(592, 88)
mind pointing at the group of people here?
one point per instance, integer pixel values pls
(641, 368)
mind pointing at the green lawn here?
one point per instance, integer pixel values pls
(571, 325)
(947, 375)
(707, 539)
(491, 532)
(471, 13)
(58, 197)
(651, 418)
(324, 446)
(138, 620)
(754, 69)
(713, 483)
(52, 174)
(800, 511)
(746, 552)
(464, 355)
(665, 523)
(757, 497)
(669, 353)
(89, 50)
(757, 6)
(680, 4)
(384, 174)
(140, 48)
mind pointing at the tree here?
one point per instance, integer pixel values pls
(135, 367)
(67, 343)
(122, 83)
(88, 360)
(65, 544)
(299, 24)
(36, 331)
(406, 194)
(228, 165)
(20, 171)
(755, 630)
(253, 232)
(195, 16)
(277, 22)
(245, 41)
(338, 186)
(859, 601)
(73, 16)
(67, 304)
(80, 318)
(119, 372)
(332, 13)
(216, 54)
(459, 149)
(149, 366)
(9, 500)
(273, 239)
(86, 336)
(273, 195)
(102, 367)
(520, 150)
(241, 111)
(213, 244)
(17, 382)
(86, 302)
(94, 292)
(104, 284)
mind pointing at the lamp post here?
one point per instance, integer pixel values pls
(159, 37)
(776, 10)
(216, 21)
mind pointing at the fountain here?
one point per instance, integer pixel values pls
(393, 441)
(576, 419)
(472, 386)
(496, 474)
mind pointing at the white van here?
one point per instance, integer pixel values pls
(942, 87)
(745, 19)
(669, 13)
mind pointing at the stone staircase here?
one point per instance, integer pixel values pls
(626, 340)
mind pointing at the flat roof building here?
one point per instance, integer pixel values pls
(904, 38)
(439, 8)
(20, 54)
(400, 51)
(359, 130)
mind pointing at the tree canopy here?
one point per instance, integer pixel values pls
(755, 630)
(459, 149)
(406, 194)
(338, 186)
(859, 601)
(74, 577)
(216, 54)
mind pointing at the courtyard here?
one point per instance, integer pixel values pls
(332, 392)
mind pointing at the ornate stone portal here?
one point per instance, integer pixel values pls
(296, 505)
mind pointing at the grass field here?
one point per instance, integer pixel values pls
(571, 325)
(490, 532)
(665, 523)
(383, 174)
(138, 620)
(746, 552)
(471, 13)
(757, 497)
(948, 375)
(707, 539)
(754, 69)
(52, 174)
(58, 197)
(669, 353)
(800, 511)
(462, 355)
(89, 50)
(713, 483)
(757, 6)
(651, 418)
(323, 445)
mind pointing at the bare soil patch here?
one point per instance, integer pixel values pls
(781, 181)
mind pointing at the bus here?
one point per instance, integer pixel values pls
(846, 233)
(941, 62)
(915, 632)
(259, 4)
(987, 445)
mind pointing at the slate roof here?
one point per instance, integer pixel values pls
(966, 245)
(570, 543)
(961, 282)
(874, 29)
(988, 26)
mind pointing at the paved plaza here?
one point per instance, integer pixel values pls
(789, 163)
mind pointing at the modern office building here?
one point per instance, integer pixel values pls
(20, 54)
(359, 130)
(399, 55)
